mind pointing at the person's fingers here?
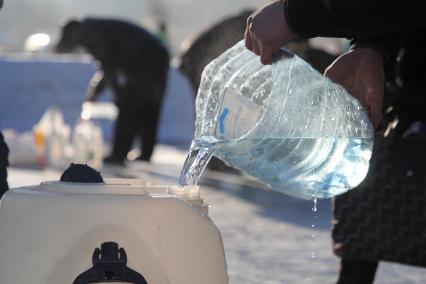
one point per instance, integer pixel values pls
(330, 73)
(375, 115)
(360, 72)
(334, 72)
(338, 73)
(370, 97)
(374, 110)
(256, 45)
(375, 103)
(266, 56)
(374, 91)
(250, 19)
(328, 70)
(334, 75)
(247, 34)
(247, 40)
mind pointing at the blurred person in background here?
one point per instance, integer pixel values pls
(4, 152)
(163, 34)
(134, 64)
(200, 50)
(384, 218)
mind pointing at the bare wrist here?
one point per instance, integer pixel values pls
(369, 50)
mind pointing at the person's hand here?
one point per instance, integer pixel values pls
(267, 31)
(360, 72)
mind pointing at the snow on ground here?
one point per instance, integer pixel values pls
(268, 237)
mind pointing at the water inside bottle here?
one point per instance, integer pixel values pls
(288, 126)
(302, 167)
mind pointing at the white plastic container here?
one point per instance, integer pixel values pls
(48, 233)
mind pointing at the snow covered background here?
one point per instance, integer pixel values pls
(30, 86)
(268, 237)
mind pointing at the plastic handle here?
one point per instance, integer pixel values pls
(282, 54)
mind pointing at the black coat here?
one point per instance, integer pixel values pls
(121, 45)
(4, 152)
(353, 18)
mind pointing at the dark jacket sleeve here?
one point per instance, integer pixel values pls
(384, 43)
(4, 153)
(353, 18)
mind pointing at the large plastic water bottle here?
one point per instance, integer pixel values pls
(285, 124)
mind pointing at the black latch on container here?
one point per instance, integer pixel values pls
(110, 265)
(81, 173)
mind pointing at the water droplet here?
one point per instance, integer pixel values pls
(313, 226)
(314, 209)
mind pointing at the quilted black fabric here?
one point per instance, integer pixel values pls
(385, 217)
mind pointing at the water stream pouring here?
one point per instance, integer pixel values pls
(285, 124)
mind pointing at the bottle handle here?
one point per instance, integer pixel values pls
(282, 53)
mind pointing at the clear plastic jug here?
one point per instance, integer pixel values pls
(285, 124)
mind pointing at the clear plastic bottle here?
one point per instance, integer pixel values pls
(285, 124)
(88, 144)
(51, 137)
